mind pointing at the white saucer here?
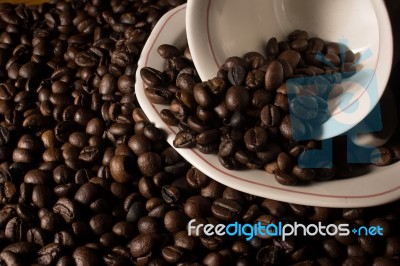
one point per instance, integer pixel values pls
(380, 186)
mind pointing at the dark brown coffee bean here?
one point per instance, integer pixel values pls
(305, 174)
(315, 45)
(274, 75)
(286, 179)
(272, 47)
(270, 116)
(170, 194)
(197, 206)
(168, 117)
(49, 254)
(142, 245)
(284, 162)
(158, 95)
(237, 75)
(196, 179)
(300, 45)
(298, 34)
(225, 209)
(184, 139)
(4, 136)
(291, 56)
(67, 209)
(30, 69)
(202, 96)
(85, 256)
(227, 147)
(10, 258)
(207, 137)
(175, 221)
(87, 193)
(172, 254)
(237, 98)
(121, 169)
(167, 51)
(255, 138)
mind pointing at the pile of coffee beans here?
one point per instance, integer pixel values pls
(85, 179)
(246, 115)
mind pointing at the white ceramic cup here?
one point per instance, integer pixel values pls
(218, 29)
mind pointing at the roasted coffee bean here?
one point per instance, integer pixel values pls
(142, 245)
(237, 75)
(274, 75)
(237, 98)
(167, 51)
(175, 221)
(152, 77)
(202, 96)
(4, 136)
(170, 194)
(67, 209)
(158, 95)
(49, 254)
(272, 47)
(197, 206)
(184, 139)
(286, 179)
(270, 116)
(85, 256)
(255, 138)
(284, 162)
(196, 179)
(225, 209)
(121, 170)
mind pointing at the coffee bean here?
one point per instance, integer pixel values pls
(286, 179)
(4, 136)
(272, 47)
(121, 170)
(291, 56)
(255, 138)
(172, 254)
(85, 256)
(197, 206)
(167, 51)
(49, 254)
(87, 193)
(184, 139)
(274, 76)
(284, 162)
(175, 221)
(149, 163)
(305, 174)
(237, 98)
(225, 209)
(270, 116)
(142, 245)
(9, 258)
(202, 96)
(67, 209)
(237, 75)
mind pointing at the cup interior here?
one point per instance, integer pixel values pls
(218, 29)
(236, 27)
